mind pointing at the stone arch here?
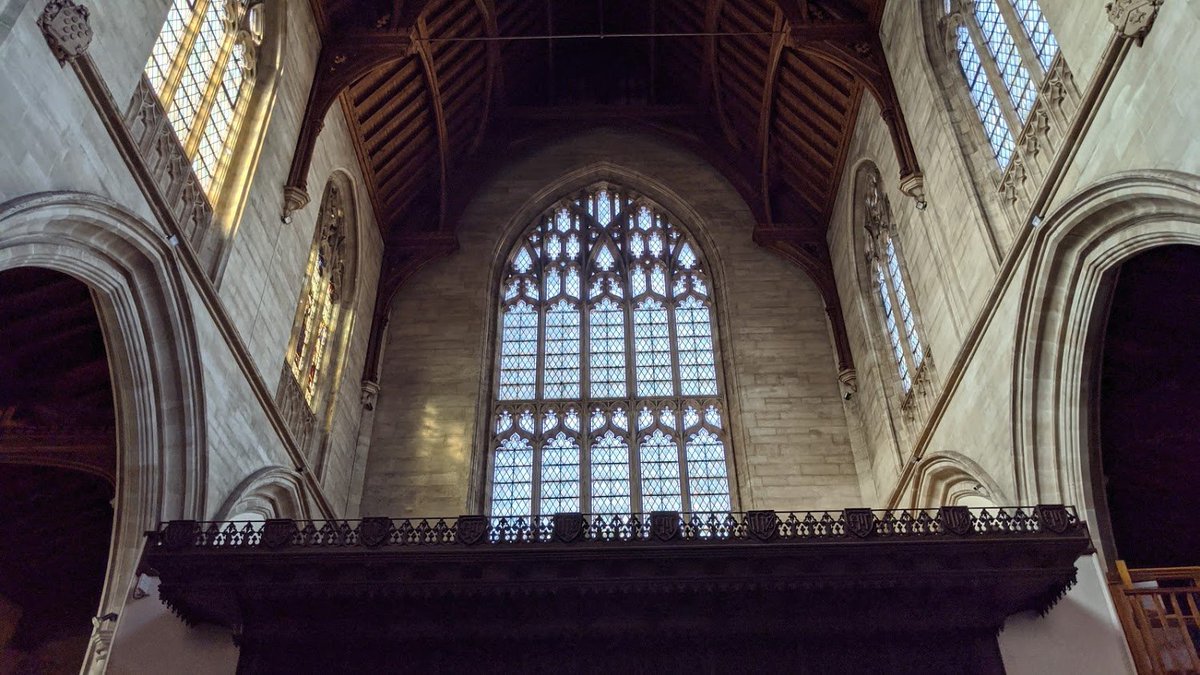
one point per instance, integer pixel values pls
(686, 216)
(1072, 260)
(270, 492)
(153, 358)
(951, 479)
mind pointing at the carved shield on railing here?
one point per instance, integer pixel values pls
(374, 531)
(664, 525)
(1054, 517)
(179, 534)
(762, 525)
(470, 529)
(568, 526)
(859, 522)
(955, 520)
(278, 532)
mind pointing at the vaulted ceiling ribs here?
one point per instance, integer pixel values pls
(437, 90)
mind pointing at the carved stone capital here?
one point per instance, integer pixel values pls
(65, 26)
(913, 185)
(1133, 19)
(370, 393)
(294, 199)
(848, 380)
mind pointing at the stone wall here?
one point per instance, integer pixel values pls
(790, 434)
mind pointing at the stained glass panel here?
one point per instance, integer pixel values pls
(197, 71)
(512, 478)
(562, 351)
(890, 327)
(170, 39)
(610, 475)
(220, 118)
(906, 313)
(607, 344)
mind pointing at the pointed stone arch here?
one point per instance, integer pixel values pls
(154, 362)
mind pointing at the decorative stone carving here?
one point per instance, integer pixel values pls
(103, 630)
(66, 29)
(172, 173)
(370, 394)
(294, 199)
(293, 406)
(1133, 18)
(848, 380)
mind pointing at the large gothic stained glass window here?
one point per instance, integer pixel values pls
(608, 395)
(201, 67)
(1004, 48)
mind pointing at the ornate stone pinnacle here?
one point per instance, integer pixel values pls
(65, 26)
(1133, 18)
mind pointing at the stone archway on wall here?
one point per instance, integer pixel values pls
(271, 492)
(1058, 335)
(951, 479)
(154, 362)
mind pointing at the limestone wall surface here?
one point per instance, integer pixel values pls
(790, 435)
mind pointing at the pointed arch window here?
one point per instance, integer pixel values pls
(608, 387)
(321, 324)
(202, 68)
(886, 270)
(1004, 48)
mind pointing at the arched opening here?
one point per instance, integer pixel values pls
(1149, 409)
(57, 469)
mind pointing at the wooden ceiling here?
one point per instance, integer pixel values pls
(438, 91)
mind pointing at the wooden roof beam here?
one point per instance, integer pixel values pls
(768, 103)
(712, 19)
(425, 53)
(492, 30)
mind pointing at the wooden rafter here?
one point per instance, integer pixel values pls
(768, 103)
(492, 30)
(425, 53)
(712, 18)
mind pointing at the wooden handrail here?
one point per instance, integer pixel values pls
(1161, 622)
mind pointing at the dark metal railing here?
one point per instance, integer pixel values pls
(658, 527)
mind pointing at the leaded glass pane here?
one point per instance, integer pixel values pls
(215, 138)
(610, 475)
(560, 475)
(652, 349)
(512, 478)
(991, 114)
(906, 313)
(518, 353)
(197, 71)
(1037, 29)
(562, 351)
(661, 489)
(890, 327)
(607, 345)
(170, 39)
(693, 335)
(708, 484)
(1004, 51)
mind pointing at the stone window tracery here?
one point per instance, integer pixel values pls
(887, 277)
(1004, 50)
(202, 68)
(608, 389)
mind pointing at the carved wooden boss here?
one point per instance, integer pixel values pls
(884, 591)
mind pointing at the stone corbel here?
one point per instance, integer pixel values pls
(1133, 19)
(370, 394)
(913, 185)
(848, 380)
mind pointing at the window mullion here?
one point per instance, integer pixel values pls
(538, 442)
(995, 79)
(180, 58)
(211, 89)
(1016, 29)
